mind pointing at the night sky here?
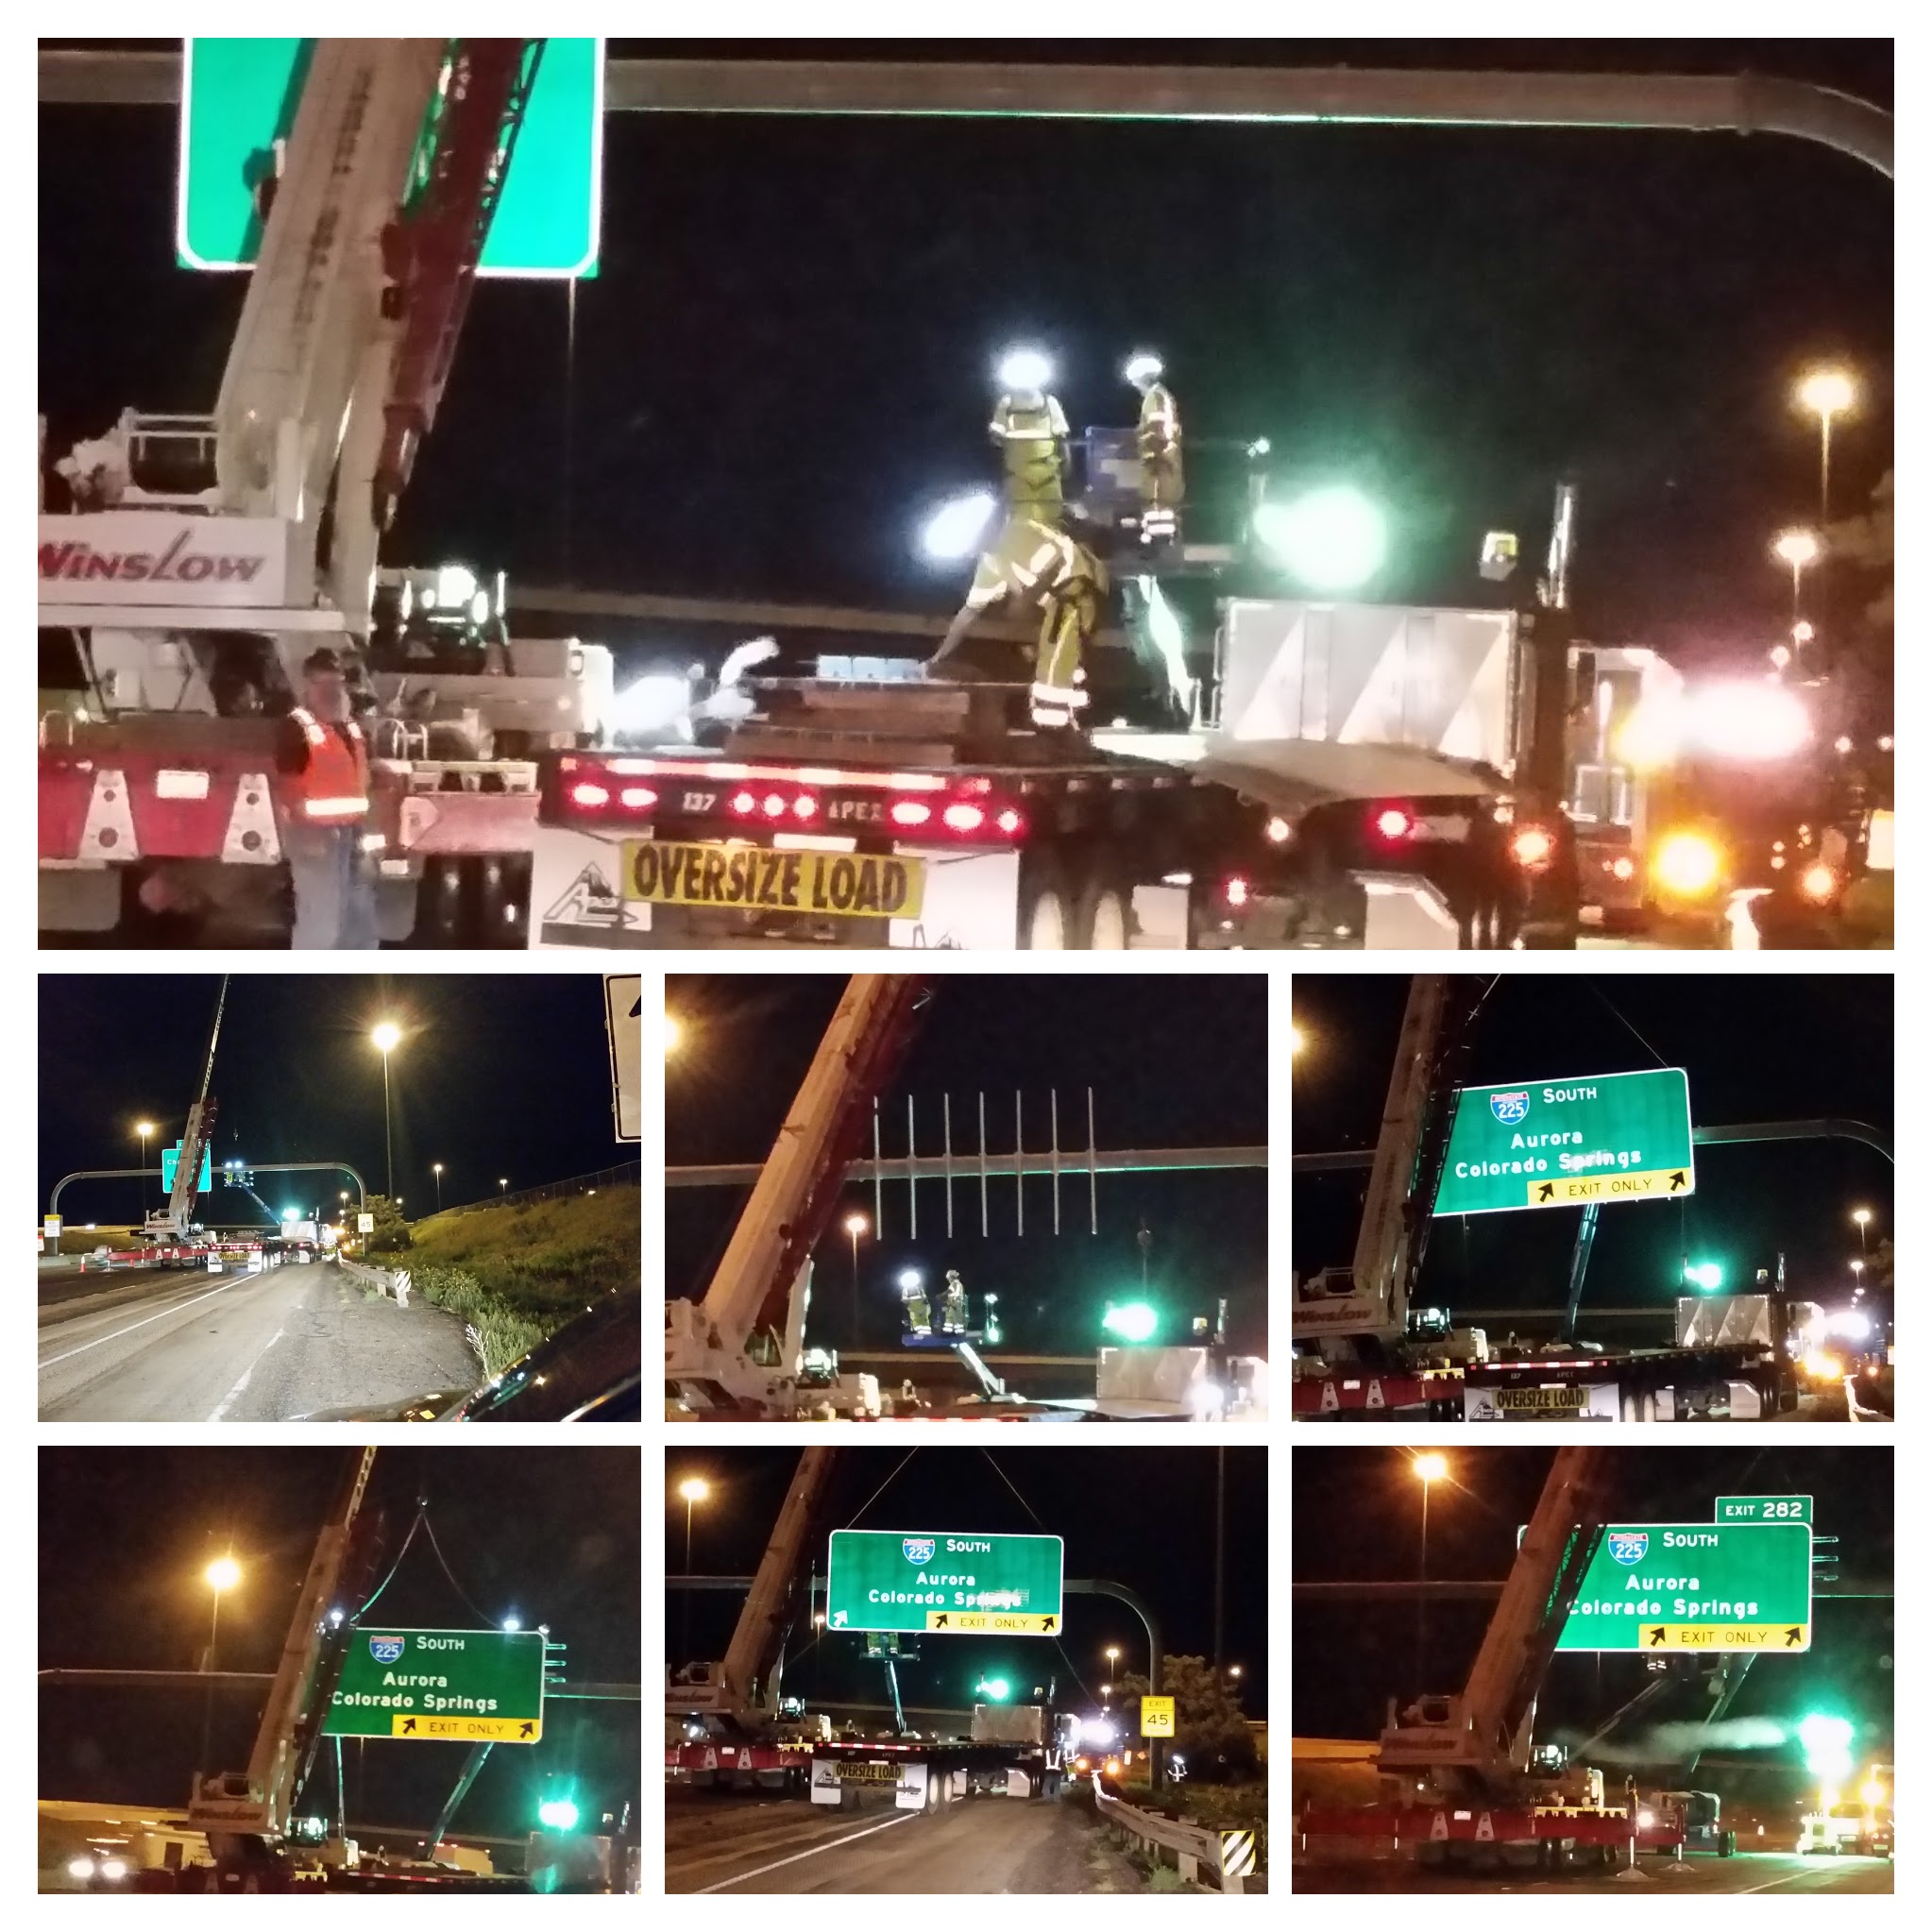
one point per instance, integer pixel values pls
(1358, 1516)
(1762, 1046)
(496, 1076)
(548, 1533)
(1139, 1516)
(784, 361)
(1174, 1063)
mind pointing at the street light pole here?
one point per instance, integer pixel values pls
(437, 1168)
(1428, 1470)
(694, 1489)
(143, 1128)
(385, 1037)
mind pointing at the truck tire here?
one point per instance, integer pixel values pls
(1048, 909)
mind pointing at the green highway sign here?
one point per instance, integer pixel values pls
(478, 1686)
(1695, 1587)
(951, 1582)
(171, 1159)
(238, 97)
(1764, 1509)
(1565, 1143)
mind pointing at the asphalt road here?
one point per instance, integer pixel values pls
(1701, 1877)
(238, 1348)
(972, 1845)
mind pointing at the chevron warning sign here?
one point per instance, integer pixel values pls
(1237, 1853)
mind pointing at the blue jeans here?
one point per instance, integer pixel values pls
(335, 898)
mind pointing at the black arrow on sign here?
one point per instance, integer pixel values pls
(1657, 1636)
(1546, 1191)
(1047, 1623)
(408, 1725)
(1794, 1637)
(1677, 1181)
(529, 1728)
(938, 1622)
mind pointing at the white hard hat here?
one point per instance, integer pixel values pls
(1143, 365)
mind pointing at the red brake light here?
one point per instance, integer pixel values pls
(638, 798)
(963, 817)
(1008, 821)
(910, 811)
(774, 806)
(743, 804)
(804, 805)
(589, 796)
(1394, 822)
(1235, 891)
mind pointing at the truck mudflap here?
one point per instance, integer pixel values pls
(100, 809)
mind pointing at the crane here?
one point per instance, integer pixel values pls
(246, 1814)
(727, 1691)
(1367, 1303)
(739, 1347)
(198, 1135)
(1476, 1746)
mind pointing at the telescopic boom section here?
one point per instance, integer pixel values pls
(257, 1805)
(198, 1132)
(1382, 1247)
(432, 253)
(1477, 1744)
(761, 1624)
(797, 1192)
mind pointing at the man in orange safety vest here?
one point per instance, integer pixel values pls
(325, 764)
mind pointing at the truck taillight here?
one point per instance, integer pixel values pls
(909, 812)
(1235, 891)
(775, 805)
(804, 806)
(1392, 822)
(591, 797)
(962, 818)
(636, 798)
(1010, 822)
(743, 804)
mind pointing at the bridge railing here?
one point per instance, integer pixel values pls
(631, 1174)
(392, 1282)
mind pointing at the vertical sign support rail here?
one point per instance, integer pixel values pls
(946, 1116)
(1053, 1111)
(1019, 1167)
(878, 1177)
(984, 1224)
(1092, 1171)
(911, 1172)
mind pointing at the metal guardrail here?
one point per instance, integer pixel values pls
(630, 1174)
(1196, 1850)
(392, 1282)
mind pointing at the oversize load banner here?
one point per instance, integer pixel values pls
(749, 878)
(1557, 1143)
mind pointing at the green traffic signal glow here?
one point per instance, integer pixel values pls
(997, 1689)
(1136, 1322)
(557, 1814)
(1826, 1742)
(1706, 1275)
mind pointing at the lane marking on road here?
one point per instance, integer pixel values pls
(831, 1844)
(227, 1401)
(1789, 1878)
(174, 1309)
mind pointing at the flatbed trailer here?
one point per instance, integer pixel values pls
(1742, 1382)
(1547, 1835)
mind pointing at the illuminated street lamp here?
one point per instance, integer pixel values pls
(437, 1168)
(1858, 1275)
(143, 1127)
(503, 1183)
(673, 1033)
(1799, 549)
(856, 1225)
(1825, 392)
(1297, 1041)
(1112, 1654)
(1863, 1217)
(1430, 1468)
(221, 1575)
(384, 1038)
(694, 1489)
(1329, 539)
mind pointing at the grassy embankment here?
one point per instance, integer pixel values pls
(517, 1273)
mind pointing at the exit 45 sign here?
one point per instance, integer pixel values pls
(238, 97)
(1567, 1143)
